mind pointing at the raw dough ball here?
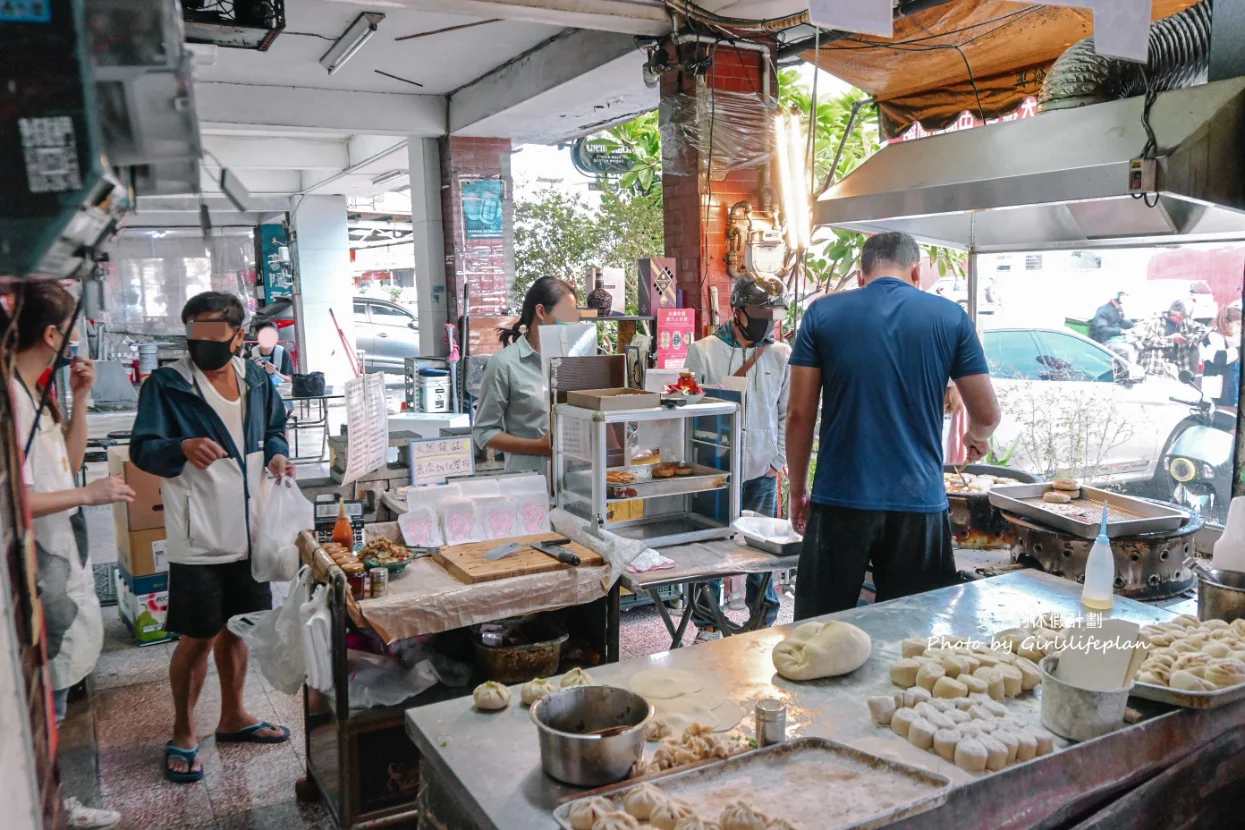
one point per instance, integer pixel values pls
(925, 708)
(972, 663)
(996, 752)
(970, 755)
(836, 648)
(1013, 680)
(903, 672)
(669, 813)
(1238, 626)
(902, 720)
(945, 741)
(1213, 625)
(1150, 678)
(489, 695)
(534, 690)
(881, 708)
(642, 768)
(577, 677)
(986, 659)
(1030, 674)
(696, 823)
(970, 729)
(643, 800)
(958, 716)
(660, 684)
(996, 686)
(928, 675)
(974, 684)
(921, 733)
(1045, 741)
(915, 695)
(913, 646)
(1187, 682)
(1216, 649)
(1009, 740)
(965, 703)
(584, 814)
(981, 713)
(942, 704)
(777, 824)
(950, 666)
(1026, 747)
(941, 720)
(994, 707)
(617, 820)
(656, 729)
(741, 815)
(948, 687)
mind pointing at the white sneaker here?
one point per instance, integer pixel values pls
(80, 816)
(707, 635)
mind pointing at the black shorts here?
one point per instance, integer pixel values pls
(202, 598)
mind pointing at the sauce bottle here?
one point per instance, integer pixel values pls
(1099, 590)
(343, 530)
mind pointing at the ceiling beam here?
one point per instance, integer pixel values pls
(635, 17)
(551, 92)
(277, 153)
(380, 149)
(301, 109)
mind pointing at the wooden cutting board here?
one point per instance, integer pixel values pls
(466, 563)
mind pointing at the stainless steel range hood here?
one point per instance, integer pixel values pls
(1060, 179)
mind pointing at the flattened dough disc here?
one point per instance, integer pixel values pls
(663, 684)
(728, 715)
(681, 713)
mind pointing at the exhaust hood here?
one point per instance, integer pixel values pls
(1060, 179)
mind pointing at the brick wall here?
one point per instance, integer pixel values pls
(695, 207)
(487, 265)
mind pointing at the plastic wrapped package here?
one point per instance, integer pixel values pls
(728, 130)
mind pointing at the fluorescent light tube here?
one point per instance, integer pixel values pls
(351, 41)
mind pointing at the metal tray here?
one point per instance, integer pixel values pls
(701, 479)
(1189, 700)
(791, 548)
(744, 769)
(991, 470)
(1126, 516)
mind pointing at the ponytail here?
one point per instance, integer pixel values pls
(546, 291)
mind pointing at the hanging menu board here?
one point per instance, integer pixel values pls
(367, 419)
(433, 460)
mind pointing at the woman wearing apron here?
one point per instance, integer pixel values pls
(54, 450)
(513, 415)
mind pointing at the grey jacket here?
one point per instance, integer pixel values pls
(769, 384)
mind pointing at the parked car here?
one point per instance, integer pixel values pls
(1079, 405)
(386, 333)
(955, 288)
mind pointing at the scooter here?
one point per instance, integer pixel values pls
(1199, 461)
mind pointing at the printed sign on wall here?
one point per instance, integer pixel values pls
(433, 460)
(483, 202)
(674, 336)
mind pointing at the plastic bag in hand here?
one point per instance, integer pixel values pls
(274, 557)
(275, 638)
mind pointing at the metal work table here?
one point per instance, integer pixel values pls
(483, 769)
(304, 419)
(700, 561)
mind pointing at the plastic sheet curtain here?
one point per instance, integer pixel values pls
(726, 130)
(154, 272)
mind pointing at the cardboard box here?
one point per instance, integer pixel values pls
(657, 285)
(143, 605)
(610, 400)
(147, 511)
(143, 552)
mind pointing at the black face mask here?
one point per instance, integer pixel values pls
(210, 355)
(756, 330)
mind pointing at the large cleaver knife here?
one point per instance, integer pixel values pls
(554, 548)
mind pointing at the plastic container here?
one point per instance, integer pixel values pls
(148, 354)
(519, 664)
(432, 390)
(1099, 590)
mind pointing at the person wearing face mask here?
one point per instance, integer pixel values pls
(54, 449)
(513, 413)
(744, 349)
(208, 425)
(1168, 342)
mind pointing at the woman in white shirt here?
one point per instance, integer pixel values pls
(54, 450)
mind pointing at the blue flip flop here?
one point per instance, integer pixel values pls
(249, 735)
(189, 756)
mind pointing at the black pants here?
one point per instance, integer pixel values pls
(911, 553)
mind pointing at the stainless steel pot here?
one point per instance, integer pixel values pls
(590, 735)
(1223, 598)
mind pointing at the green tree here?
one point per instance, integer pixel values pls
(555, 234)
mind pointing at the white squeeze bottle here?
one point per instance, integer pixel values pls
(1099, 590)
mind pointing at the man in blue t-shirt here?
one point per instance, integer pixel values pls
(879, 359)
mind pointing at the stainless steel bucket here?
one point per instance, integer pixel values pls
(1223, 598)
(1079, 714)
(569, 723)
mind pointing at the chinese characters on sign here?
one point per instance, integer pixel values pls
(674, 336)
(367, 419)
(433, 460)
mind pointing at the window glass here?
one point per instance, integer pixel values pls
(1013, 354)
(389, 312)
(360, 309)
(1070, 358)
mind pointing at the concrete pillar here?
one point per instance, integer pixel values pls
(479, 240)
(428, 234)
(695, 205)
(321, 251)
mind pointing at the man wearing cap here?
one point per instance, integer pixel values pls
(1109, 320)
(744, 349)
(1169, 342)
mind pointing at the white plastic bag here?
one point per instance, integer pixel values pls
(275, 554)
(317, 634)
(383, 681)
(275, 638)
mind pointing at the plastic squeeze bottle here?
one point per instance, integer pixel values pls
(1099, 590)
(343, 531)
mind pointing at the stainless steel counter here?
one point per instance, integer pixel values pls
(486, 766)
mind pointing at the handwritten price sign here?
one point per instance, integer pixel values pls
(433, 460)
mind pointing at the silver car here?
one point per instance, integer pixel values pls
(386, 333)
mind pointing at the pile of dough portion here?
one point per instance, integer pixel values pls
(953, 671)
(816, 650)
(1194, 656)
(696, 743)
(647, 802)
(974, 732)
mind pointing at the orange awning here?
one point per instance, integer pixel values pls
(916, 75)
